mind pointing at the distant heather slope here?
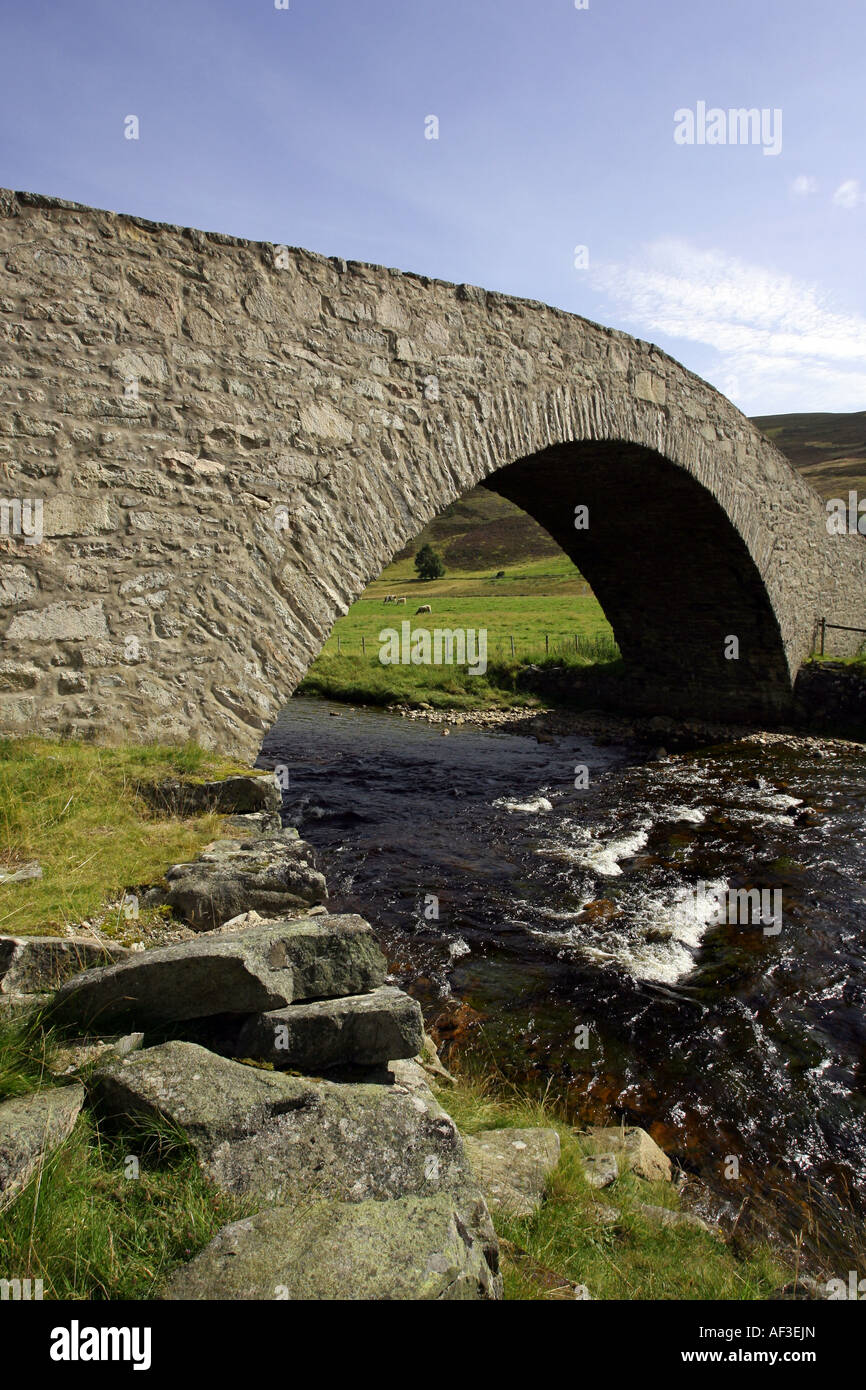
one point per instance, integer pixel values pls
(829, 450)
(483, 531)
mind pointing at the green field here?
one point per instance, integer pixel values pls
(539, 609)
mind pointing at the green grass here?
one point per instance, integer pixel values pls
(25, 1055)
(543, 606)
(76, 809)
(91, 1231)
(634, 1258)
(93, 1226)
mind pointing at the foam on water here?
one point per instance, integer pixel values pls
(600, 856)
(534, 806)
(655, 938)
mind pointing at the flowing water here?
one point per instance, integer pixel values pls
(578, 928)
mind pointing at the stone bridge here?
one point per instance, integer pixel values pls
(209, 446)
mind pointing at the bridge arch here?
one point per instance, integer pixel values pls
(230, 439)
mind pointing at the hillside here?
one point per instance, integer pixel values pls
(829, 450)
(484, 531)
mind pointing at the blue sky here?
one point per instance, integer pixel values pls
(306, 126)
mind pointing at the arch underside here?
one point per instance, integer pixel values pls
(674, 577)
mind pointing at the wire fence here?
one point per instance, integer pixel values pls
(823, 627)
(505, 646)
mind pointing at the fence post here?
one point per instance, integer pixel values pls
(364, 646)
(338, 644)
(823, 631)
(546, 643)
(512, 644)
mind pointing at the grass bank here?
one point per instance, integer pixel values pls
(77, 810)
(363, 680)
(112, 1213)
(629, 1256)
(109, 1214)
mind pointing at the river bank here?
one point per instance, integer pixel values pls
(528, 886)
(88, 1231)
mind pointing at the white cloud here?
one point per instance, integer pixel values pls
(849, 194)
(778, 344)
(803, 185)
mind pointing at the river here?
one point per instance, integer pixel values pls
(562, 922)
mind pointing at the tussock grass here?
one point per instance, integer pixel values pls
(91, 1229)
(26, 1051)
(76, 808)
(632, 1258)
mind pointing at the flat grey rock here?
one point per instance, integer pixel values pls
(636, 1151)
(31, 1126)
(663, 1216)
(244, 794)
(438, 1247)
(287, 1138)
(601, 1170)
(362, 1030)
(253, 972)
(35, 964)
(512, 1166)
(270, 874)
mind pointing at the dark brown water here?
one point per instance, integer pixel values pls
(724, 1040)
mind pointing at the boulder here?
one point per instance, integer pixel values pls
(362, 1030)
(31, 1127)
(255, 971)
(601, 1170)
(512, 1166)
(256, 823)
(285, 1138)
(634, 1149)
(75, 1056)
(663, 1216)
(250, 792)
(271, 874)
(34, 964)
(416, 1247)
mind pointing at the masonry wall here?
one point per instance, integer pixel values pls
(228, 440)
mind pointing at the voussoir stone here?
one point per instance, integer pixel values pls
(270, 874)
(411, 1248)
(364, 1029)
(513, 1165)
(33, 964)
(252, 972)
(31, 1127)
(286, 1138)
(636, 1151)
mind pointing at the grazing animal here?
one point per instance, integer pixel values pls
(401, 599)
(425, 608)
(389, 598)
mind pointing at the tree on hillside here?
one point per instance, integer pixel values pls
(428, 563)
